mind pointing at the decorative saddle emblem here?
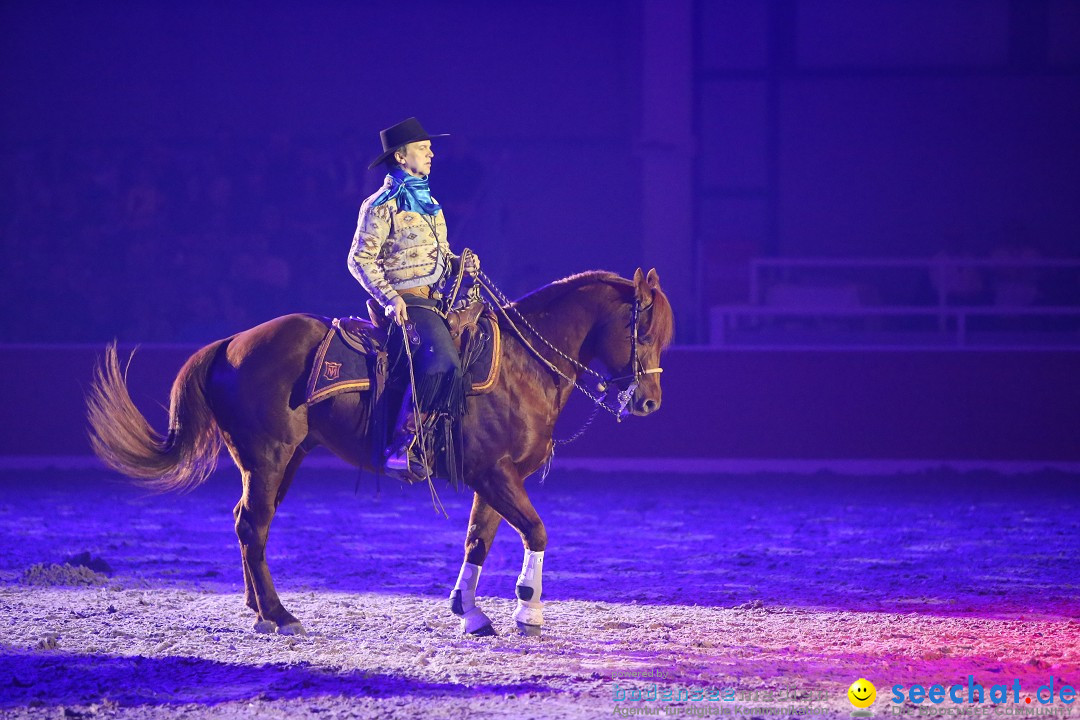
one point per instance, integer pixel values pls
(331, 370)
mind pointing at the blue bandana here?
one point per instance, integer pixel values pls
(412, 193)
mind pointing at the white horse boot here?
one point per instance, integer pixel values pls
(463, 602)
(530, 611)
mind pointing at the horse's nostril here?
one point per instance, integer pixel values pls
(650, 405)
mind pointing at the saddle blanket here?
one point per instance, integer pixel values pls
(346, 357)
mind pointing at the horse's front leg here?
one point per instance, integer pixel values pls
(530, 611)
(483, 522)
(506, 495)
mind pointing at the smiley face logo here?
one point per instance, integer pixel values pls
(862, 693)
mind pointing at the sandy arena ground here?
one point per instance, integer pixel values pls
(799, 584)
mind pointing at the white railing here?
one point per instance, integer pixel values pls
(841, 318)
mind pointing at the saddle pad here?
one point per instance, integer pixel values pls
(340, 365)
(337, 368)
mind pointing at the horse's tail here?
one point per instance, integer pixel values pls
(124, 440)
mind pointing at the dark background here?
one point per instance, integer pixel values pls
(179, 171)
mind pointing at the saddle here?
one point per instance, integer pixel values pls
(352, 356)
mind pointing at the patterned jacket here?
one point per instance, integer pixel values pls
(397, 249)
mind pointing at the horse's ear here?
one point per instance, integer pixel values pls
(653, 280)
(640, 288)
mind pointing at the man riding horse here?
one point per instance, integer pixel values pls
(400, 255)
(240, 391)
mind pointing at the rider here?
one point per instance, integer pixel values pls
(400, 256)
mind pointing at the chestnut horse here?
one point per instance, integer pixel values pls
(248, 392)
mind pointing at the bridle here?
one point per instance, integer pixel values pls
(638, 371)
(625, 396)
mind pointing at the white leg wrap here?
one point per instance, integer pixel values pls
(466, 584)
(529, 586)
(532, 570)
(529, 612)
(463, 600)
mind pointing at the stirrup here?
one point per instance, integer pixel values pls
(405, 463)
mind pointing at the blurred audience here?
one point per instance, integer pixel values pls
(191, 241)
(174, 242)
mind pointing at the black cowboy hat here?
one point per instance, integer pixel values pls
(405, 132)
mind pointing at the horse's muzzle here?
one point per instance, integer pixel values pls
(645, 406)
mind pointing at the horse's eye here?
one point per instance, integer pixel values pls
(646, 340)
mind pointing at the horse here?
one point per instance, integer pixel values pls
(247, 392)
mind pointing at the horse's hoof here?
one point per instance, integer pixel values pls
(475, 622)
(528, 630)
(293, 628)
(485, 631)
(265, 626)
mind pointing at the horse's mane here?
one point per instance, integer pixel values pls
(661, 327)
(551, 292)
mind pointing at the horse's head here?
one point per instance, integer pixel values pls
(648, 306)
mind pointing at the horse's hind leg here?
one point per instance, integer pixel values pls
(483, 522)
(249, 589)
(264, 489)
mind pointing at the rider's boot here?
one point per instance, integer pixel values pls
(404, 458)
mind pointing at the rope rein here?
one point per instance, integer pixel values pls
(505, 306)
(623, 396)
(503, 303)
(420, 434)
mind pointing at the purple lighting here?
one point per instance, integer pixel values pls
(866, 464)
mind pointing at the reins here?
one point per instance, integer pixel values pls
(408, 333)
(505, 306)
(623, 396)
